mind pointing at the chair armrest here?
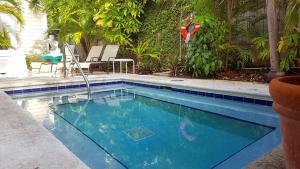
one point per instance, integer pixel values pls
(109, 59)
(92, 59)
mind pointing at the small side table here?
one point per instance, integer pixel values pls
(124, 60)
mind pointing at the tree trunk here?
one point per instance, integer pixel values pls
(229, 20)
(273, 36)
(229, 5)
(84, 48)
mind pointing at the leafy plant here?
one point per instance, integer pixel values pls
(119, 20)
(202, 54)
(175, 64)
(261, 43)
(13, 8)
(293, 15)
(289, 44)
(72, 20)
(160, 26)
(146, 56)
(4, 39)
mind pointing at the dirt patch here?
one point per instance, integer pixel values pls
(248, 76)
(245, 76)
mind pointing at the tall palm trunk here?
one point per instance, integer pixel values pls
(229, 20)
(229, 5)
(273, 36)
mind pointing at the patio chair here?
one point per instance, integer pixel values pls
(92, 58)
(54, 64)
(110, 54)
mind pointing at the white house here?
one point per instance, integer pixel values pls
(29, 38)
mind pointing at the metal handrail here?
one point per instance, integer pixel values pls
(80, 70)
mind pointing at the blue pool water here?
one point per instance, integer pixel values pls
(138, 131)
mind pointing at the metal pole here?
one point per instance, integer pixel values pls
(65, 63)
(180, 38)
(80, 70)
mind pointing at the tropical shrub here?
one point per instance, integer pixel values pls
(289, 45)
(202, 54)
(4, 39)
(293, 15)
(262, 44)
(13, 8)
(161, 24)
(146, 56)
(175, 64)
(119, 20)
(72, 20)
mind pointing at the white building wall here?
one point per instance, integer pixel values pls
(31, 37)
(27, 39)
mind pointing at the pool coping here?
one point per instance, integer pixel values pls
(236, 88)
(237, 96)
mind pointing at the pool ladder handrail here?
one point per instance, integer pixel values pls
(80, 70)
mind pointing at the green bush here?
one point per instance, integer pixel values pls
(146, 56)
(202, 54)
(33, 58)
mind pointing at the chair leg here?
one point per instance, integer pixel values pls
(40, 68)
(107, 66)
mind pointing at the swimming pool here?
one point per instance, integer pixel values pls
(129, 125)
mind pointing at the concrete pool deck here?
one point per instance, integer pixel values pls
(26, 144)
(252, 90)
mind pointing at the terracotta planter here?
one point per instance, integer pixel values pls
(285, 92)
(298, 62)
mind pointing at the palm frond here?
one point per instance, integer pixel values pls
(4, 39)
(12, 10)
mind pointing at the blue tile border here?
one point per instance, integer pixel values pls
(200, 93)
(207, 94)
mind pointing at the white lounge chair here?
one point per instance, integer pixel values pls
(92, 58)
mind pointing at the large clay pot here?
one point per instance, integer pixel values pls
(285, 92)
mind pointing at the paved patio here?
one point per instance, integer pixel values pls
(24, 144)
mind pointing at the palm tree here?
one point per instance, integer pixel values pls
(273, 38)
(11, 7)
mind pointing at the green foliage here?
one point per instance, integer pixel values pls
(146, 56)
(293, 16)
(119, 20)
(175, 64)
(240, 56)
(202, 54)
(205, 7)
(261, 43)
(73, 18)
(4, 39)
(289, 44)
(12, 7)
(161, 23)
